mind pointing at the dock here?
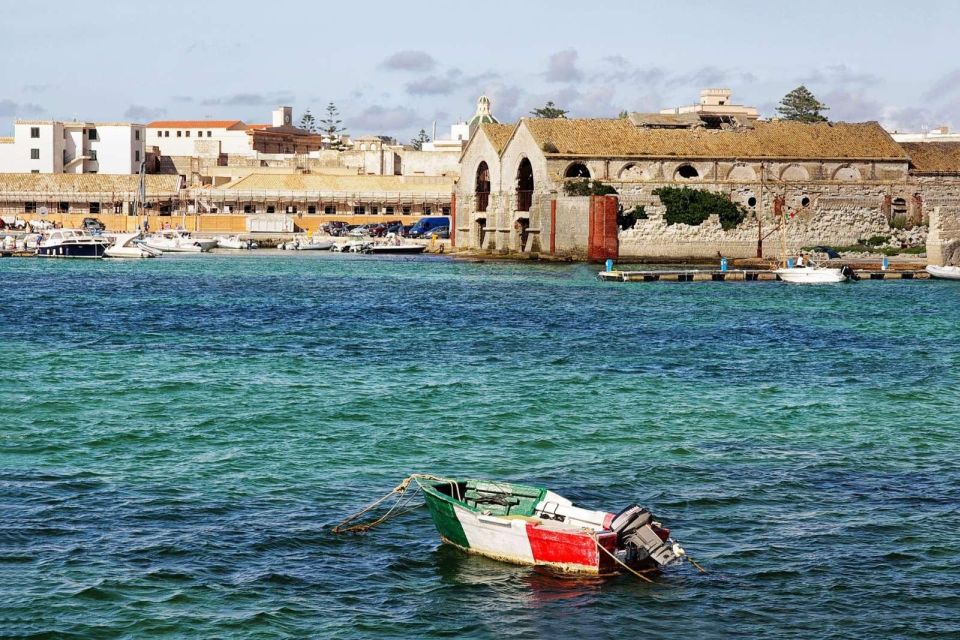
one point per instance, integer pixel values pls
(740, 275)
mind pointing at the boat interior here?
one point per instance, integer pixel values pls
(493, 498)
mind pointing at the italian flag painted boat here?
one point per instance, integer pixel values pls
(534, 526)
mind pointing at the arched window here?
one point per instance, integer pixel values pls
(687, 172)
(577, 170)
(482, 189)
(898, 207)
(524, 185)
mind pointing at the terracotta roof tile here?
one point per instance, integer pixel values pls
(498, 134)
(933, 157)
(767, 139)
(78, 183)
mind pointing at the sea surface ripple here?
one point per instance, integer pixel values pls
(179, 435)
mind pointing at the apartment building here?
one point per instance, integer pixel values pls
(53, 146)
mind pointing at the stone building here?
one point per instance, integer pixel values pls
(834, 183)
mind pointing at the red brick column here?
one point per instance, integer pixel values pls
(603, 240)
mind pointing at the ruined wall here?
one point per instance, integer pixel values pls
(942, 200)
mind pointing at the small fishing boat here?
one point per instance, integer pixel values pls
(534, 526)
(350, 247)
(814, 275)
(314, 243)
(947, 273)
(72, 243)
(127, 245)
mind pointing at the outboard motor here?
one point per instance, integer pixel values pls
(849, 273)
(643, 538)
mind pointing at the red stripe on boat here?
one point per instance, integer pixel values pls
(608, 520)
(550, 545)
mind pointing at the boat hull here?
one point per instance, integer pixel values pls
(946, 273)
(84, 250)
(808, 275)
(396, 249)
(523, 540)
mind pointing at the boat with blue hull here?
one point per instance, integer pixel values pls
(72, 243)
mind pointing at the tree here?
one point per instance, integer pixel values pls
(417, 142)
(331, 127)
(308, 122)
(549, 110)
(623, 115)
(802, 106)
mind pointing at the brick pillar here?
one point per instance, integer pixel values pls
(917, 209)
(553, 226)
(603, 239)
(453, 220)
(887, 207)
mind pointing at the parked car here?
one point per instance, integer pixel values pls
(13, 222)
(440, 232)
(336, 228)
(41, 225)
(93, 225)
(424, 226)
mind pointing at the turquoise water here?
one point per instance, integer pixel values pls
(178, 435)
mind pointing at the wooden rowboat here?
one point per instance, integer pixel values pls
(534, 526)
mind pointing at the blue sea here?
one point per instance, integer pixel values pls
(179, 435)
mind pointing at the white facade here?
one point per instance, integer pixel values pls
(199, 137)
(939, 134)
(459, 135)
(50, 146)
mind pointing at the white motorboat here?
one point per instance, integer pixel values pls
(177, 241)
(72, 243)
(350, 247)
(946, 272)
(234, 242)
(314, 244)
(813, 275)
(128, 245)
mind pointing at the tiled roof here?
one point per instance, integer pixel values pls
(767, 139)
(251, 127)
(194, 124)
(339, 184)
(78, 183)
(933, 157)
(498, 134)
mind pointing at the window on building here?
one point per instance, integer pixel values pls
(166, 134)
(136, 134)
(136, 155)
(359, 211)
(93, 134)
(374, 210)
(159, 133)
(248, 208)
(118, 207)
(186, 134)
(34, 170)
(34, 154)
(751, 201)
(179, 134)
(291, 209)
(311, 209)
(93, 155)
(687, 172)
(30, 207)
(898, 207)
(63, 207)
(804, 201)
(209, 134)
(427, 211)
(271, 209)
(330, 210)
(34, 132)
(388, 211)
(405, 210)
(94, 207)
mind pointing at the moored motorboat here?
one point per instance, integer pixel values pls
(128, 246)
(387, 247)
(72, 243)
(314, 243)
(177, 241)
(350, 247)
(534, 526)
(811, 275)
(945, 272)
(234, 242)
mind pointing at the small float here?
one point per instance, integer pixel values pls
(534, 526)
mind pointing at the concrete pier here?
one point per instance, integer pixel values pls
(740, 275)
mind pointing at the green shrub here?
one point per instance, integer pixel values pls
(876, 241)
(626, 219)
(900, 222)
(693, 206)
(587, 187)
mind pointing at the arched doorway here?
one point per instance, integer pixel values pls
(577, 170)
(524, 185)
(482, 189)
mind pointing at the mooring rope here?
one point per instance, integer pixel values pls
(403, 499)
(621, 562)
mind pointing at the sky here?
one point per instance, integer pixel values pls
(392, 68)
